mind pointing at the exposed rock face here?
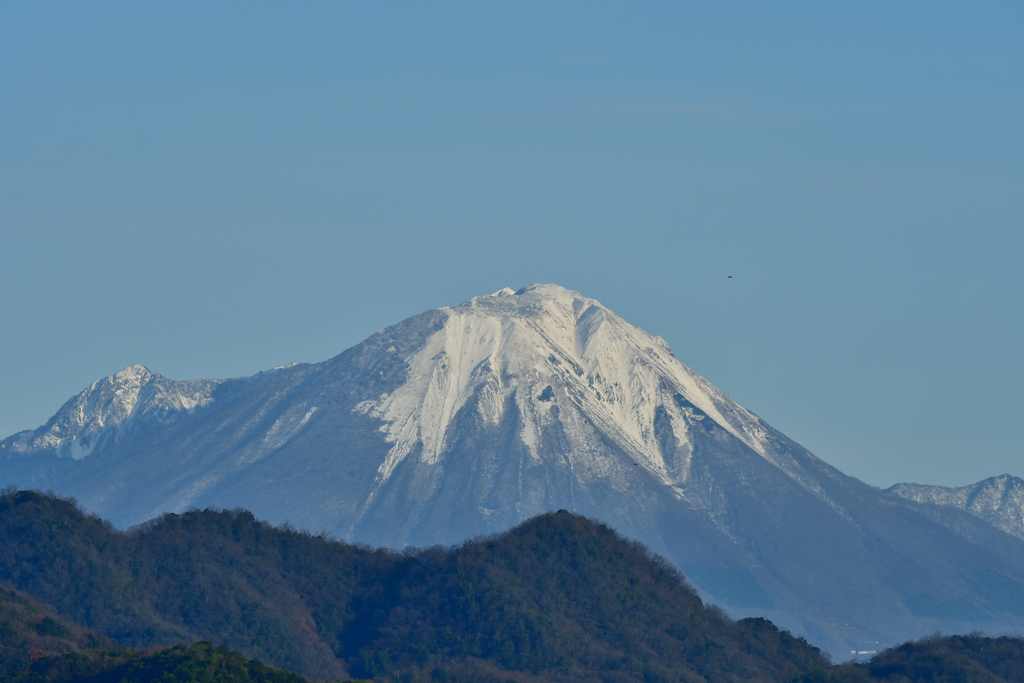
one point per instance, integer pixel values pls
(997, 500)
(467, 420)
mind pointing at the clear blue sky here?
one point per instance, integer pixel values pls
(213, 189)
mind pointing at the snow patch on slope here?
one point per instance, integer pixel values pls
(512, 348)
(110, 407)
(997, 500)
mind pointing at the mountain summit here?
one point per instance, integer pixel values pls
(578, 396)
(131, 399)
(468, 420)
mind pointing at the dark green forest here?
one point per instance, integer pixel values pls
(558, 598)
(29, 631)
(197, 663)
(38, 647)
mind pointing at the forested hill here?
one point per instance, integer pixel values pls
(950, 659)
(29, 631)
(36, 646)
(559, 598)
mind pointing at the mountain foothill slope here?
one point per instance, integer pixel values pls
(468, 420)
(557, 598)
(39, 646)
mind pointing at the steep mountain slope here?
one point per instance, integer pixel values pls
(467, 420)
(997, 500)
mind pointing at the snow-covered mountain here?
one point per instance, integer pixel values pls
(466, 420)
(133, 399)
(997, 500)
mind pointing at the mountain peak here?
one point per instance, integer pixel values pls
(130, 373)
(533, 356)
(530, 300)
(549, 291)
(131, 399)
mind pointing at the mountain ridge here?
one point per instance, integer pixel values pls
(465, 421)
(997, 500)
